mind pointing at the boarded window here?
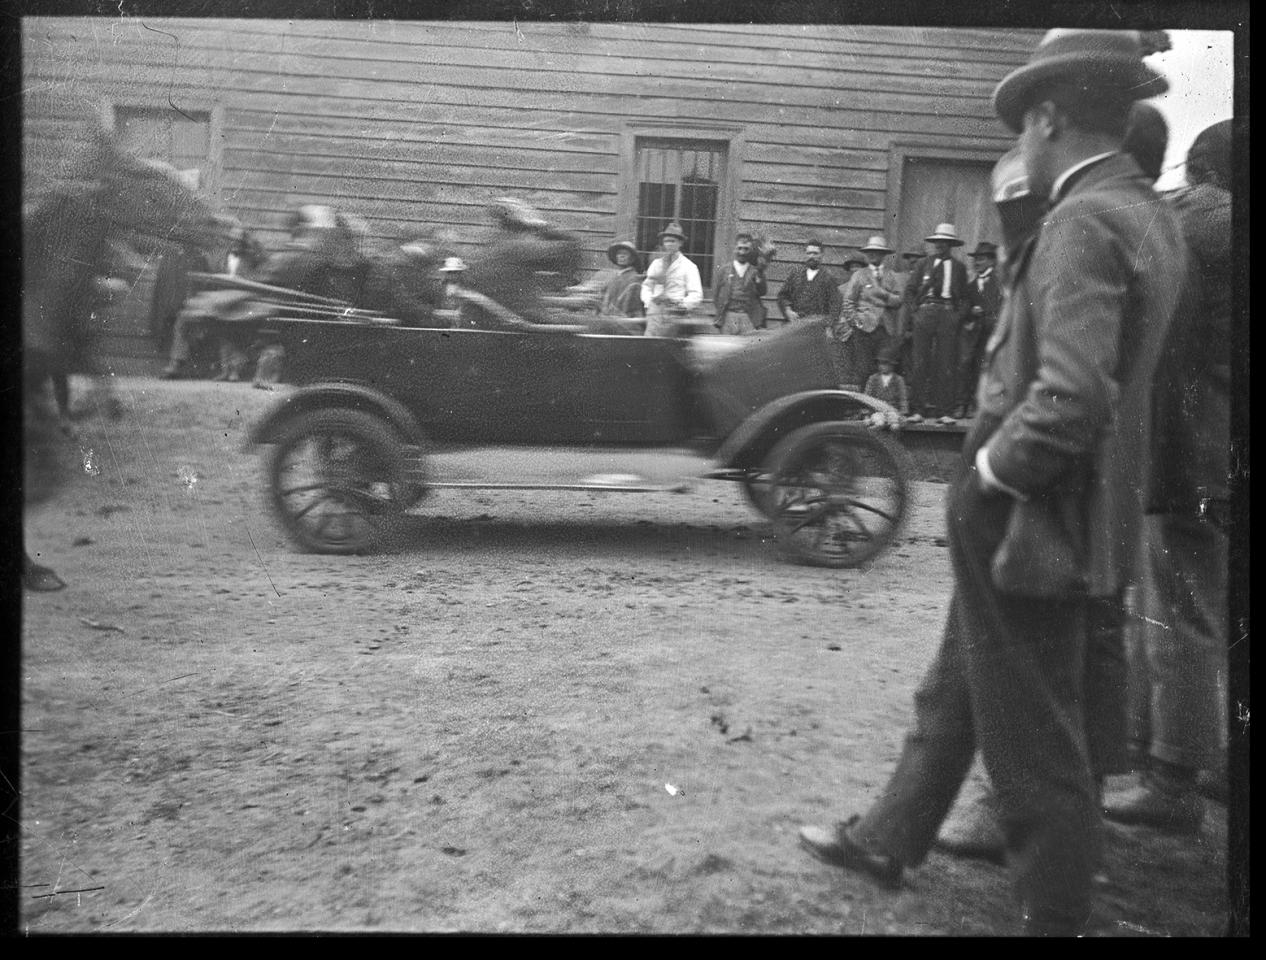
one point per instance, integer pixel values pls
(182, 139)
(680, 180)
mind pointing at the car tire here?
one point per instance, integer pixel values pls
(334, 480)
(837, 493)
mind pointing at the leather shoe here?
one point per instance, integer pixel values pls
(834, 846)
(174, 371)
(1170, 808)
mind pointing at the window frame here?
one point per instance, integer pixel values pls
(729, 137)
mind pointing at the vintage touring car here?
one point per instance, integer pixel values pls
(381, 417)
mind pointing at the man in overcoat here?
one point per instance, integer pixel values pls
(1045, 516)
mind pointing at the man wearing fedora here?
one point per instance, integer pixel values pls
(737, 288)
(870, 306)
(672, 287)
(983, 296)
(1046, 515)
(937, 296)
(810, 293)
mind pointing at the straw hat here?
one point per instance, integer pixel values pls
(945, 231)
(628, 245)
(985, 249)
(876, 244)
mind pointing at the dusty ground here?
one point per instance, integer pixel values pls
(477, 732)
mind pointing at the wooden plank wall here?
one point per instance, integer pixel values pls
(417, 125)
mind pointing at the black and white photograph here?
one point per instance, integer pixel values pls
(629, 473)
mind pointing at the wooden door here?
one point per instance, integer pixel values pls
(935, 191)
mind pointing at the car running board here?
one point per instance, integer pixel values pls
(611, 470)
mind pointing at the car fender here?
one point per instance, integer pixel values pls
(342, 394)
(756, 436)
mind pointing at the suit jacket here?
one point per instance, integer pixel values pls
(1064, 400)
(985, 293)
(819, 297)
(1192, 397)
(868, 304)
(923, 283)
(743, 292)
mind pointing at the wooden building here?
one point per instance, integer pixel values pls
(610, 130)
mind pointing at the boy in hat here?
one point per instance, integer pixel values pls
(1044, 520)
(890, 387)
(937, 296)
(737, 288)
(983, 295)
(672, 287)
(870, 306)
(811, 292)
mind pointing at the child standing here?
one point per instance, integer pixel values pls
(890, 387)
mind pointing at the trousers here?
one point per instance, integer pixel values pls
(1008, 677)
(934, 381)
(1178, 657)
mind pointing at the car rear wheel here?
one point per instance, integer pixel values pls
(335, 480)
(837, 493)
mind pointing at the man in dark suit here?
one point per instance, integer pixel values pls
(936, 295)
(810, 292)
(983, 295)
(1043, 520)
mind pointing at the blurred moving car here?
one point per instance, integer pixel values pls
(384, 416)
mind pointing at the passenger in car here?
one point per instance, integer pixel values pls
(523, 252)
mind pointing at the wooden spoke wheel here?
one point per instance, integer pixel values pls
(837, 493)
(335, 480)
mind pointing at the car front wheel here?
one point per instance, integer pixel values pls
(837, 493)
(335, 480)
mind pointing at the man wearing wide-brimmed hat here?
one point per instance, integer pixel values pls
(937, 296)
(983, 296)
(869, 310)
(672, 287)
(1043, 522)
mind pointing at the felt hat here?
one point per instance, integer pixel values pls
(855, 259)
(453, 265)
(913, 255)
(1100, 60)
(889, 354)
(945, 231)
(985, 249)
(876, 244)
(1211, 151)
(628, 245)
(673, 230)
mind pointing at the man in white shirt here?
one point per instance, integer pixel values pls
(672, 287)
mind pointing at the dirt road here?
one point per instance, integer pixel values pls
(543, 712)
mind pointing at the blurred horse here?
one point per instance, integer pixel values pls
(72, 241)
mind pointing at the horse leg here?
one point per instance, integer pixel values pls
(39, 578)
